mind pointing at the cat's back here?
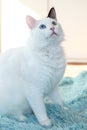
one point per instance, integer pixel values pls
(11, 54)
(10, 61)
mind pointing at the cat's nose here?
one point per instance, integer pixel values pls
(52, 28)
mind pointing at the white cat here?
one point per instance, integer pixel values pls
(30, 73)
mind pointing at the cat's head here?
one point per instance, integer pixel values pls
(47, 30)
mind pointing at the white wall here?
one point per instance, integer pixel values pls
(39, 6)
(73, 16)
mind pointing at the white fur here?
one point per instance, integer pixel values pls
(30, 73)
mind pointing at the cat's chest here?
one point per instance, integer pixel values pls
(49, 68)
(45, 69)
(51, 74)
(52, 57)
(49, 78)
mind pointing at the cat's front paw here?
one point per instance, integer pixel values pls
(46, 122)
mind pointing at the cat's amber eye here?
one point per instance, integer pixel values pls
(54, 23)
(42, 26)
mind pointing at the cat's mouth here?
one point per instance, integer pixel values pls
(53, 33)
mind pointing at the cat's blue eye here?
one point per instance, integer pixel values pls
(42, 26)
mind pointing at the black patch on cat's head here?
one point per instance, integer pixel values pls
(52, 13)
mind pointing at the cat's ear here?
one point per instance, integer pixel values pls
(52, 13)
(30, 21)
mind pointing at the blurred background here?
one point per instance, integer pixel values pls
(72, 14)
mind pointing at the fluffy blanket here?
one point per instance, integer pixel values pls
(74, 93)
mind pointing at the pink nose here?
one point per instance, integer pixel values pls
(53, 28)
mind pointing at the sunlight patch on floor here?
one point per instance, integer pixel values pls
(74, 70)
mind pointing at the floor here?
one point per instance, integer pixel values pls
(74, 70)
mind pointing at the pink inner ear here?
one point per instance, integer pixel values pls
(30, 21)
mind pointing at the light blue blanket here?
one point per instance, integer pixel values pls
(74, 93)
